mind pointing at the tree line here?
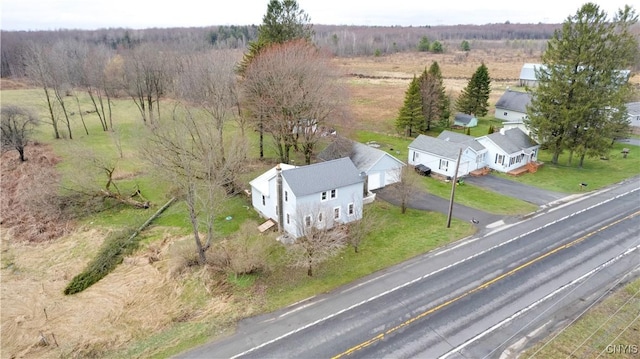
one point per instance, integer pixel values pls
(338, 39)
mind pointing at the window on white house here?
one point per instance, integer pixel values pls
(505, 113)
(288, 218)
(333, 193)
(444, 165)
(336, 213)
(264, 201)
(499, 159)
(286, 196)
(307, 221)
(320, 217)
(351, 209)
(324, 196)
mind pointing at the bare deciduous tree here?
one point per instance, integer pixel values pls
(406, 186)
(16, 124)
(146, 77)
(319, 241)
(186, 150)
(358, 231)
(38, 70)
(293, 92)
(208, 81)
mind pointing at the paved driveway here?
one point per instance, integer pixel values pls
(515, 189)
(631, 141)
(428, 202)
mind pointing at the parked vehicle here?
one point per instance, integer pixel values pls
(423, 170)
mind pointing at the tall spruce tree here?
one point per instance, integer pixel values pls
(283, 22)
(435, 102)
(474, 99)
(410, 117)
(578, 105)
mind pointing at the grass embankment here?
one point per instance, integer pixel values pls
(608, 329)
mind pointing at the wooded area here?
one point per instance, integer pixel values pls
(339, 40)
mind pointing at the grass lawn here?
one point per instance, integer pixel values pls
(479, 198)
(611, 322)
(396, 238)
(597, 173)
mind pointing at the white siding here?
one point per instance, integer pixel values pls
(509, 115)
(374, 181)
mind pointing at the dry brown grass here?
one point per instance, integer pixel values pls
(378, 93)
(377, 90)
(30, 205)
(138, 298)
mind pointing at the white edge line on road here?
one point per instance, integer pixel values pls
(538, 302)
(308, 325)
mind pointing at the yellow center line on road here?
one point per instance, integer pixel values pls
(476, 289)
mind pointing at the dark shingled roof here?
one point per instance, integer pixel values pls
(322, 176)
(437, 146)
(461, 139)
(362, 156)
(514, 101)
(513, 140)
(463, 118)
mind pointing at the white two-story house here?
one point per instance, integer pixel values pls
(321, 195)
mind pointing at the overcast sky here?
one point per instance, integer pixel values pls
(139, 14)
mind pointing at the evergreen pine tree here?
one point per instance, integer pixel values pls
(578, 105)
(435, 102)
(474, 99)
(410, 117)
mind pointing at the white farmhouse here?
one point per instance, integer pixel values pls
(322, 194)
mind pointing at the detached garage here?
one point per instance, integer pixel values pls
(382, 169)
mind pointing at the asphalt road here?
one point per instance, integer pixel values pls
(480, 297)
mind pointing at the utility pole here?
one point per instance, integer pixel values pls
(453, 188)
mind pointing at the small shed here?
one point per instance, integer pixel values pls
(465, 120)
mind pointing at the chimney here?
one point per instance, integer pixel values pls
(502, 130)
(279, 211)
(365, 188)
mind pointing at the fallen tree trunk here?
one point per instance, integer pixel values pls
(126, 200)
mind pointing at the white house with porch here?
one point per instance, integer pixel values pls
(509, 150)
